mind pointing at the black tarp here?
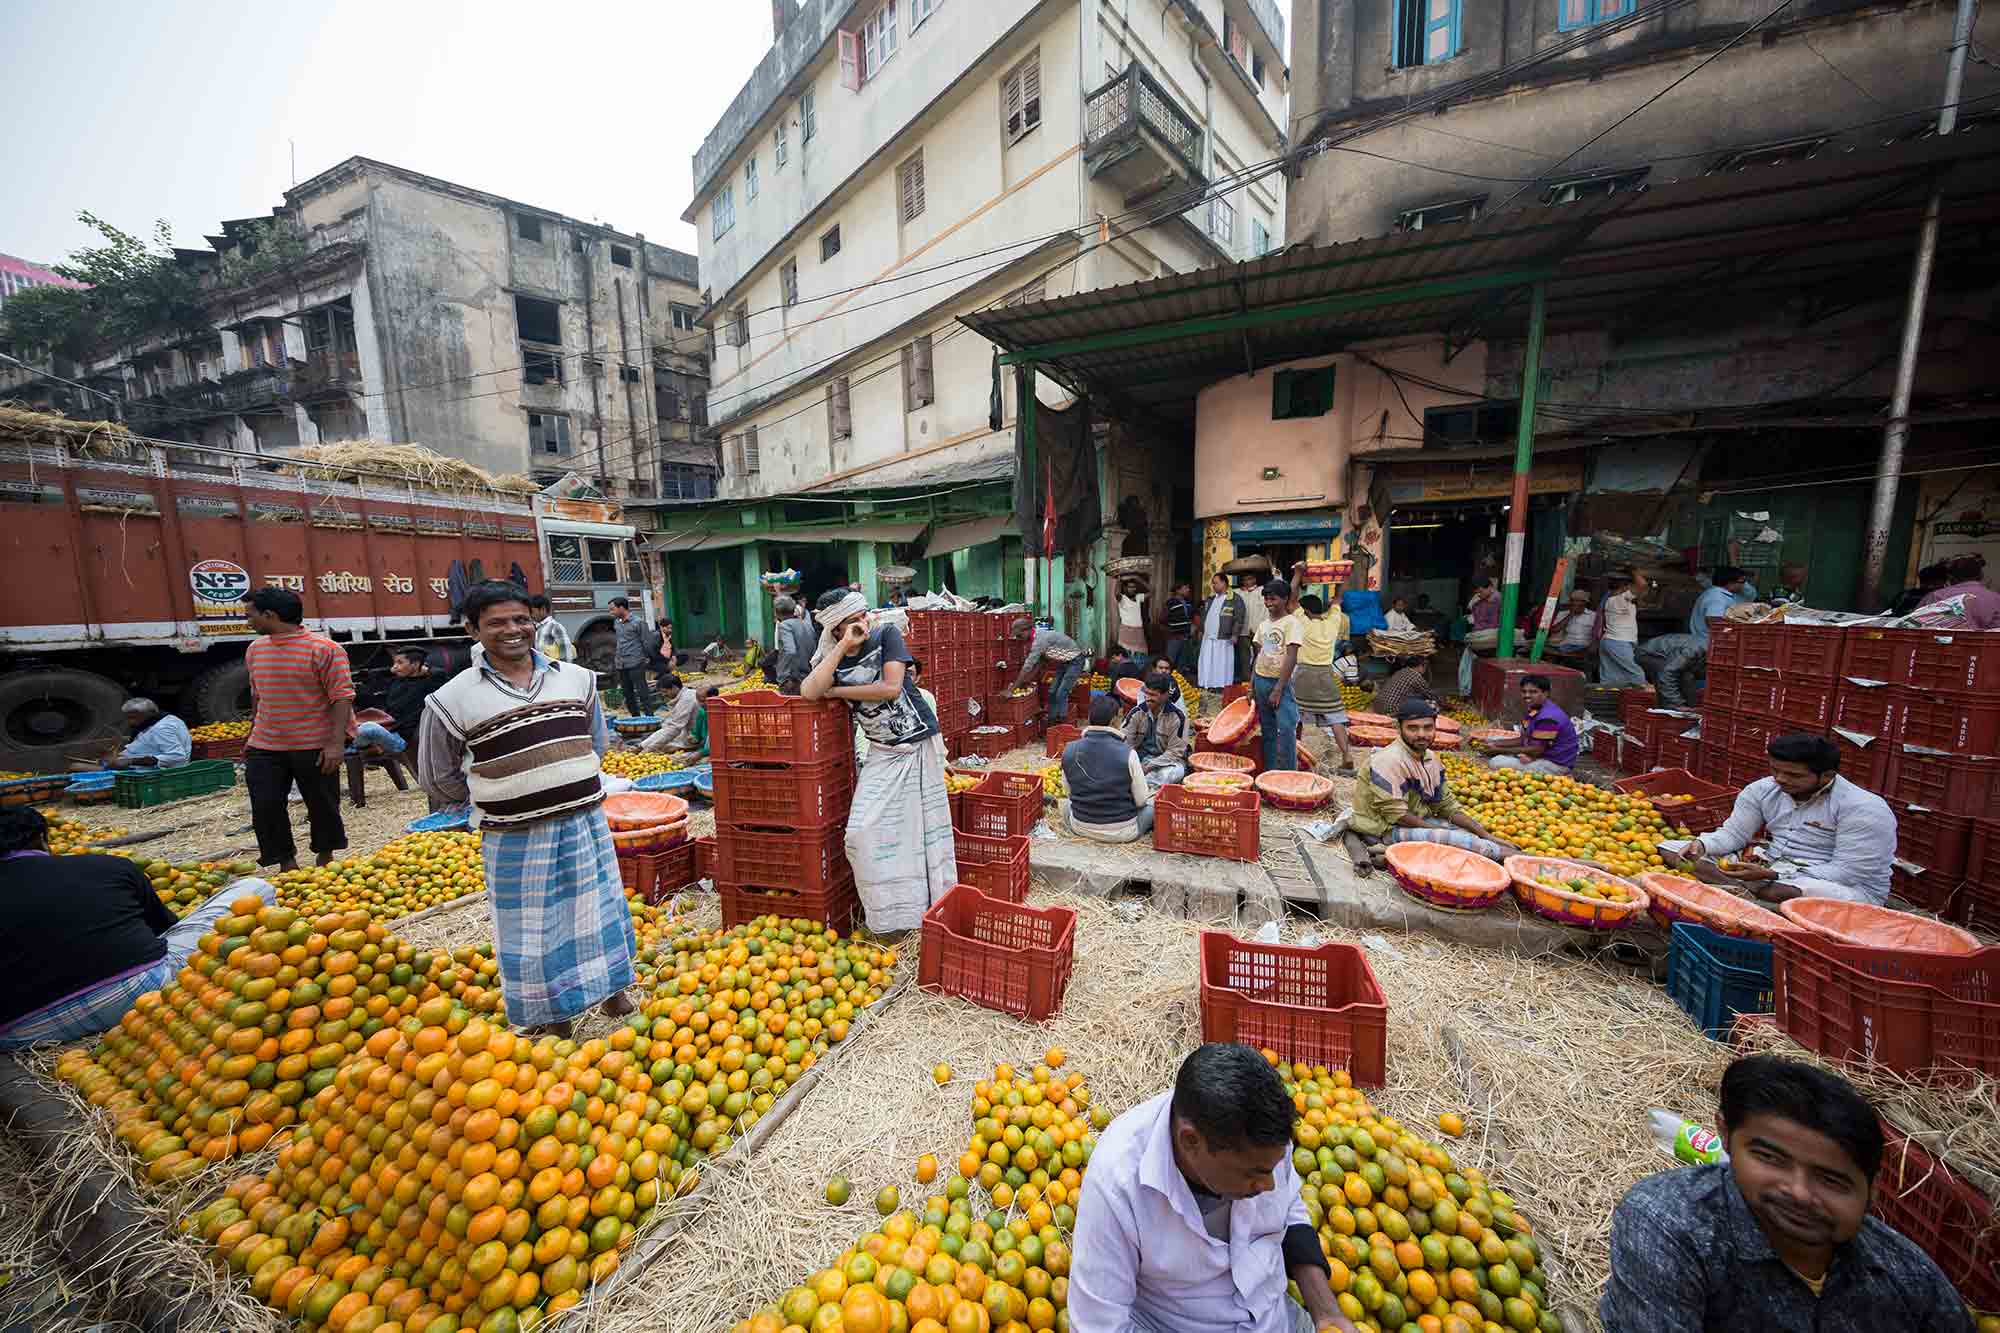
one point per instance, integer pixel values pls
(1063, 448)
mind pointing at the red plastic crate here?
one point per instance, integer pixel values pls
(1004, 804)
(1964, 662)
(1752, 737)
(1740, 772)
(1947, 1218)
(765, 727)
(1636, 699)
(1635, 756)
(1762, 645)
(782, 858)
(1675, 750)
(1933, 839)
(784, 795)
(1812, 652)
(1000, 955)
(1011, 710)
(1982, 851)
(1958, 784)
(657, 875)
(1642, 727)
(929, 628)
(1878, 654)
(704, 857)
(1712, 765)
(1960, 723)
(1718, 688)
(1708, 810)
(987, 739)
(1807, 704)
(1758, 693)
(1718, 729)
(1725, 644)
(1058, 735)
(1872, 766)
(1899, 1009)
(1604, 746)
(1319, 1006)
(997, 867)
(230, 749)
(1869, 710)
(838, 906)
(1922, 889)
(1201, 823)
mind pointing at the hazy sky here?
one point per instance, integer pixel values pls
(189, 110)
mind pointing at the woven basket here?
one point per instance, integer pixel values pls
(1574, 909)
(1676, 898)
(1295, 791)
(1217, 782)
(1447, 877)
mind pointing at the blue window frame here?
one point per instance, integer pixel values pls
(1427, 31)
(1572, 14)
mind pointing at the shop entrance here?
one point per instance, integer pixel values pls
(819, 564)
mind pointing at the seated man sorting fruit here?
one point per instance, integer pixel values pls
(1828, 837)
(1547, 741)
(1777, 1237)
(82, 937)
(1401, 796)
(1191, 1219)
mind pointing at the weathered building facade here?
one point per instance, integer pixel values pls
(394, 306)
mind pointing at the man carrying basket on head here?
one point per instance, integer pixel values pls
(1401, 796)
(899, 835)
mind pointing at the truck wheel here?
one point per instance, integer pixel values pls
(597, 647)
(49, 717)
(221, 693)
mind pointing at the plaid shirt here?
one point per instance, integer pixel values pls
(1407, 684)
(1687, 1256)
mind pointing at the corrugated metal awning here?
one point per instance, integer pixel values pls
(850, 532)
(977, 532)
(699, 539)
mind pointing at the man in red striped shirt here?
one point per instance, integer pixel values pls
(304, 699)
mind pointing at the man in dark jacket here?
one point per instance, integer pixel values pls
(1676, 664)
(1178, 615)
(414, 682)
(633, 647)
(1157, 731)
(1109, 800)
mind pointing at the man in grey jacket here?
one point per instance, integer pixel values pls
(1675, 663)
(792, 646)
(1070, 661)
(633, 647)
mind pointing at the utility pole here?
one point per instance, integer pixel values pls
(1524, 459)
(1896, 435)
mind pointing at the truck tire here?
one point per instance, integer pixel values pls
(52, 716)
(597, 646)
(221, 693)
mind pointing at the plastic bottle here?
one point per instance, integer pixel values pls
(1684, 1140)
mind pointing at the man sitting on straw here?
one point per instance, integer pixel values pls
(520, 737)
(1408, 681)
(1191, 1220)
(677, 728)
(1402, 797)
(1157, 731)
(899, 835)
(1775, 1237)
(1835, 839)
(1109, 799)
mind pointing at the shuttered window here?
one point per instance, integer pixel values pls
(1021, 97)
(910, 186)
(839, 419)
(919, 385)
(788, 282)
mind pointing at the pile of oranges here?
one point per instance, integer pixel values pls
(1032, 1135)
(1412, 1240)
(221, 731)
(415, 872)
(1546, 815)
(185, 887)
(68, 837)
(257, 1023)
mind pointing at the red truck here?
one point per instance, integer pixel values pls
(130, 561)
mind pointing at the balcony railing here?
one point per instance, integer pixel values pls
(1134, 108)
(325, 376)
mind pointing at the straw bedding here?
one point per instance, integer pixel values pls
(346, 459)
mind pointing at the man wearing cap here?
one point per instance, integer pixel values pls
(1402, 797)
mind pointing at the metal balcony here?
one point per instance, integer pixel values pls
(325, 376)
(1138, 138)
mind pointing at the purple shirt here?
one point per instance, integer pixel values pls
(1982, 604)
(1486, 615)
(1552, 727)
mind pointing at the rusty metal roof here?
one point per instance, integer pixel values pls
(1835, 230)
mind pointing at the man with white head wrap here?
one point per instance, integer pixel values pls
(899, 835)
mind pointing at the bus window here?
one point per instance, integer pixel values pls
(566, 558)
(603, 561)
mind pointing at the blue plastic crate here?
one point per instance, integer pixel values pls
(1714, 977)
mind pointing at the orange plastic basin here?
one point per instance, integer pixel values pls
(1213, 761)
(1296, 791)
(1217, 782)
(1877, 927)
(1129, 688)
(1373, 738)
(632, 810)
(1233, 723)
(1371, 720)
(1678, 898)
(1433, 863)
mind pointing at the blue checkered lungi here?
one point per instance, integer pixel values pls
(561, 927)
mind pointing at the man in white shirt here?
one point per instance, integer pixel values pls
(677, 725)
(1398, 619)
(551, 639)
(1617, 651)
(1191, 1219)
(1828, 837)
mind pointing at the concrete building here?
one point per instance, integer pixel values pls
(378, 303)
(892, 164)
(18, 275)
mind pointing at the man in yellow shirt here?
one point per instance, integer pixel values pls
(1316, 684)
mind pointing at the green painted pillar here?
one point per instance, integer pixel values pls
(721, 597)
(1059, 602)
(756, 610)
(867, 556)
(1524, 460)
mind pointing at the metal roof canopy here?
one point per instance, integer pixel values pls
(689, 540)
(848, 532)
(975, 532)
(1840, 230)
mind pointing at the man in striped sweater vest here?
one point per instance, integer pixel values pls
(519, 737)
